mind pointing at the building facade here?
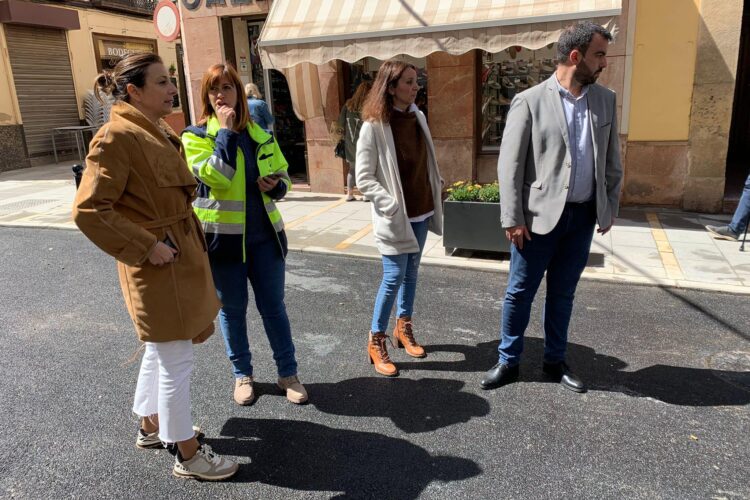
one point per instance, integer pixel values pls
(677, 66)
(50, 55)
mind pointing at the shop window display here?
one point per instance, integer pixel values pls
(505, 74)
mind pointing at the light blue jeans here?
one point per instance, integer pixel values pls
(399, 279)
(739, 221)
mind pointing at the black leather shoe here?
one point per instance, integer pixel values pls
(560, 372)
(499, 375)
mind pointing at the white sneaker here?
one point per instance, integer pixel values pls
(205, 465)
(148, 440)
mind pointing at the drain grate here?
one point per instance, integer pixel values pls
(20, 205)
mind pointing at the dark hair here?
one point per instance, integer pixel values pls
(379, 102)
(356, 101)
(579, 36)
(130, 69)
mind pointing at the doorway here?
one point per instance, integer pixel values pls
(738, 155)
(287, 128)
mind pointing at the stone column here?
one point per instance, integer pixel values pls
(713, 98)
(451, 100)
(325, 171)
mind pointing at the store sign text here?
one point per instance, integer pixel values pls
(196, 4)
(111, 51)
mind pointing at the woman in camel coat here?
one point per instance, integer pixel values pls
(134, 202)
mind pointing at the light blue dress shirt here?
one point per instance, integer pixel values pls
(576, 109)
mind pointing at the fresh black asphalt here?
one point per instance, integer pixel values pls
(666, 416)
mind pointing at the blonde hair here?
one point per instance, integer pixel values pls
(252, 90)
(213, 75)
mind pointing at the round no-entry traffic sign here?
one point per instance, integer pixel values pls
(167, 20)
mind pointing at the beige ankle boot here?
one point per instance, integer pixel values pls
(295, 391)
(244, 393)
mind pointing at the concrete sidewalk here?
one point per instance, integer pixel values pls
(646, 246)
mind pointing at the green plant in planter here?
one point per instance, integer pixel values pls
(468, 191)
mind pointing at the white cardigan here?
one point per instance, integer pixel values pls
(379, 181)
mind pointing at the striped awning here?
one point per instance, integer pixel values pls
(304, 89)
(318, 31)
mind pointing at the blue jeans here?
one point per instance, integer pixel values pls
(739, 221)
(563, 253)
(265, 270)
(399, 278)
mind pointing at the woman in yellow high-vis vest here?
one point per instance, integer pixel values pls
(241, 173)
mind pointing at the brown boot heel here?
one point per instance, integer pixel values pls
(378, 355)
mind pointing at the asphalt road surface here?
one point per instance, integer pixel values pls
(666, 416)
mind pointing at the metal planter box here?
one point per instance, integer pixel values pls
(473, 225)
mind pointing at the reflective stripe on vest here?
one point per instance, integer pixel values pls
(217, 164)
(214, 204)
(223, 228)
(274, 214)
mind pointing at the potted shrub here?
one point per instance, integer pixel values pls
(471, 218)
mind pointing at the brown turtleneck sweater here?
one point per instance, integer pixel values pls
(411, 154)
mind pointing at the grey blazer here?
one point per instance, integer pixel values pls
(534, 164)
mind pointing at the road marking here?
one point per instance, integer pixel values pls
(668, 259)
(355, 237)
(297, 222)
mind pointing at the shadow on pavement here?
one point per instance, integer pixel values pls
(306, 456)
(414, 406)
(675, 385)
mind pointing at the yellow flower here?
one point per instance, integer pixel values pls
(458, 183)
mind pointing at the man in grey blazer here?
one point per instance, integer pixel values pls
(560, 174)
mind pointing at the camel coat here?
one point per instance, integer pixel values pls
(136, 190)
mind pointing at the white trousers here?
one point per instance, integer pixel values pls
(164, 388)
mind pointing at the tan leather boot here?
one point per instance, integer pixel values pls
(293, 388)
(244, 393)
(378, 355)
(403, 337)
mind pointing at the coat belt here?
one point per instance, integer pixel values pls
(166, 221)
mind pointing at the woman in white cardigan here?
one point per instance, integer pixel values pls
(398, 173)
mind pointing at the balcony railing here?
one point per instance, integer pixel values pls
(143, 7)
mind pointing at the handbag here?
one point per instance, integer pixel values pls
(339, 150)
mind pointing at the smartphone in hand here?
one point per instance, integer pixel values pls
(168, 241)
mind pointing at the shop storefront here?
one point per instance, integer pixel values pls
(51, 56)
(235, 39)
(472, 61)
(109, 49)
(42, 83)
(475, 58)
